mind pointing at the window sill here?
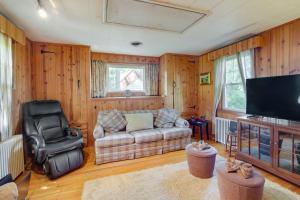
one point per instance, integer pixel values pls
(125, 98)
(229, 113)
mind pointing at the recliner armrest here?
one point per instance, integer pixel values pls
(98, 132)
(38, 140)
(74, 132)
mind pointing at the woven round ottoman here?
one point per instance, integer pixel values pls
(234, 187)
(201, 162)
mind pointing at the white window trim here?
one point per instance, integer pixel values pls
(116, 65)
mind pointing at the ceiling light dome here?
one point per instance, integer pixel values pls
(136, 43)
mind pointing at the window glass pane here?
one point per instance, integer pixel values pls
(235, 98)
(125, 78)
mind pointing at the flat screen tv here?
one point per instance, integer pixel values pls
(277, 97)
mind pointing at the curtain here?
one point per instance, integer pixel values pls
(6, 84)
(151, 79)
(246, 67)
(98, 79)
(219, 82)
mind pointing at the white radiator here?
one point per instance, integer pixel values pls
(11, 156)
(221, 128)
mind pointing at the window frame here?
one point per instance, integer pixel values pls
(223, 100)
(121, 92)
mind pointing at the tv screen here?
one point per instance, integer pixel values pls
(277, 97)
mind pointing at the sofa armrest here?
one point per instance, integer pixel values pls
(182, 123)
(98, 132)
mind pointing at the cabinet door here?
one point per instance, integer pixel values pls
(255, 141)
(167, 71)
(80, 62)
(185, 93)
(46, 72)
(287, 150)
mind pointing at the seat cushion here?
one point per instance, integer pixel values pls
(114, 139)
(150, 135)
(175, 133)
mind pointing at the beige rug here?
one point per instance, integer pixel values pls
(168, 182)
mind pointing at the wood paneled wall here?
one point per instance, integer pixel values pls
(60, 72)
(278, 54)
(21, 81)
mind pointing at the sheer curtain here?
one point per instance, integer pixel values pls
(246, 65)
(219, 82)
(6, 84)
(151, 78)
(98, 78)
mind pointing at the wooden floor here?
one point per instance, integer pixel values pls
(70, 186)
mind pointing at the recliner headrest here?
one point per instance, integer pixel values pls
(43, 107)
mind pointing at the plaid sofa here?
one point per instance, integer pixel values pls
(123, 146)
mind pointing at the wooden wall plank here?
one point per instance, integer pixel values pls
(22, 81)
(294, 47)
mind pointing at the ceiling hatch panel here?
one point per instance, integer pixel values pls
(151, 15)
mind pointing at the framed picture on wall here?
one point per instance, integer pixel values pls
(205, 78)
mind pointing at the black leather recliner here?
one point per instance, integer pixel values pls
(54, 146)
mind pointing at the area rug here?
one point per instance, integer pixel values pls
(168, 182)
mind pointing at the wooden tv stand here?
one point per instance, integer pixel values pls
(271, 144)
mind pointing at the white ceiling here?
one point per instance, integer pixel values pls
(80, 22)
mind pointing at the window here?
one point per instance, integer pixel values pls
(234, 96)
(6, 86)
(126, 77)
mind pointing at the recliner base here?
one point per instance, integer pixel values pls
(63, 163)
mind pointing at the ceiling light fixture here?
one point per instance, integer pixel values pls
(136, 43)
(42, 12)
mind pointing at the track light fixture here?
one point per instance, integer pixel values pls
(41, 10)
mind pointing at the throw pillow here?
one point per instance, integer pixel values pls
(112, 121)
(139, 121)
(166, 118)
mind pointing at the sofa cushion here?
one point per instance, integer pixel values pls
(150, 135)
(175, 133)
(115, 139)
(139, 121)
(166, 118)
(111, 121)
